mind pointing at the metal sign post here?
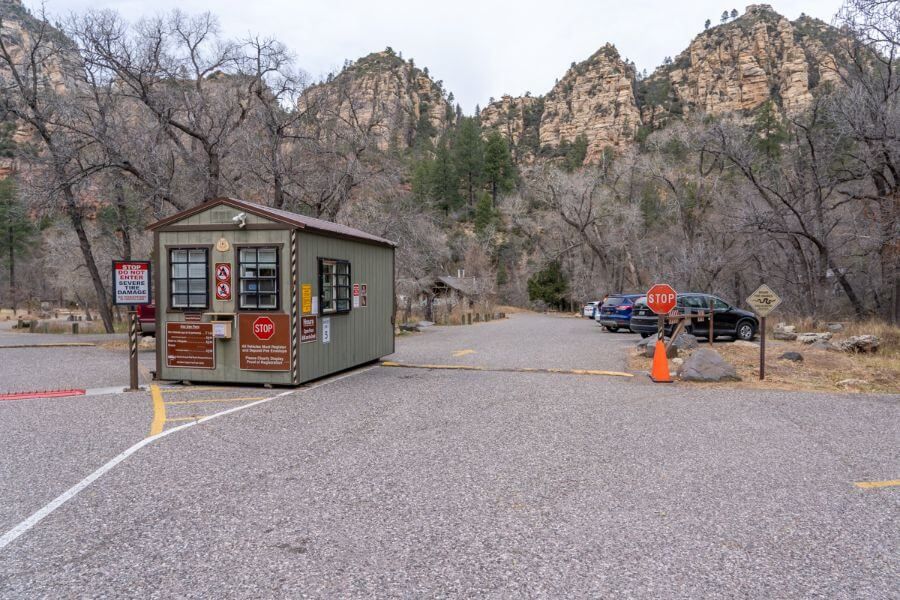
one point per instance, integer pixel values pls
(131, 287)
(763, 301)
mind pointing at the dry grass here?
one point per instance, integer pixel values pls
(820, 369)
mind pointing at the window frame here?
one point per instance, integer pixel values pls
(336, 310)
(236, 292)
(171, 278)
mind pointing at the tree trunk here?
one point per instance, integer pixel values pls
(124, 228)
(77, 219)
(12, 270)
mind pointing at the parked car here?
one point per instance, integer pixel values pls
(589, 309)
(147, 320)
(615, 312)
(728, 320)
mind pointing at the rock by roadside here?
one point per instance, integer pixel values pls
(705, 364)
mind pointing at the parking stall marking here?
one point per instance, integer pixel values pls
(459, 353)
(868, 485)
(213, 400)
(38, 516)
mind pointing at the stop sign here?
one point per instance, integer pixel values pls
(661, 298)
(263, 328)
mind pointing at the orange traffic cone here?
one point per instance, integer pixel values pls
(660, 371)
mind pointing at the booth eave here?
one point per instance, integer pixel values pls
(294, 220)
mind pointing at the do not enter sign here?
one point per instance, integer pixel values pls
(263, 328)
(661, 298)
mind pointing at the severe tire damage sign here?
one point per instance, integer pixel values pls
(190, 346)
(264, 342)
(131, 282)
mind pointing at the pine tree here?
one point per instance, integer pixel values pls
(444, 183)
(576, 153)
(724, 17)
(548, 285)
(499, 171)
(734, 13)
(16, 232)
(468, 156)
(485, 215)
(707, 24)
(769, 129)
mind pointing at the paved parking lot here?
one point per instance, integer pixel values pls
(444, 482)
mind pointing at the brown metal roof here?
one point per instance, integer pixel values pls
(281, 216)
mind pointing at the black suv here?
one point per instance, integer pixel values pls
(729, 320)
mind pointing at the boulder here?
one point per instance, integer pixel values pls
(425, 324)
(705, 364)
(147, 343)
(785, 332)
(824, 345)
(407, 327)
(648, 347)
(686, 341)
(861, 344)
(792, 356)
(811, 337)
(834, 327)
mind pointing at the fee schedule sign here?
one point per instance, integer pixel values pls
(131, 282)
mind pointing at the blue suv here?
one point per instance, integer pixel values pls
(615, 312)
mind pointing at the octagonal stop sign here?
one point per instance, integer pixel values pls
(661, 298)
(263, 328)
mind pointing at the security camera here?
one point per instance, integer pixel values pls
(240, 219)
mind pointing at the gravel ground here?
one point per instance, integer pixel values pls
(402, 482)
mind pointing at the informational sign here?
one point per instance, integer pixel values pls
(363, 295)
(661, 298)
(763, 300)
(131, 282)
(223, 281)
(308, 331)
(355, 295)
(326, 330)
(315, 305)
(190, 346)
(306, 298)
(264, 342)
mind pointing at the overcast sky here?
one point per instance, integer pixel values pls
(480, 49)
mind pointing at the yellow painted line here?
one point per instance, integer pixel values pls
(877, 484)
(159, 411)
(204, 401)
(465, 352)
(389, 363)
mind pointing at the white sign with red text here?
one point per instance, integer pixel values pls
(131, 282)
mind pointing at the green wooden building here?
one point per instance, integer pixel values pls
(250, 294)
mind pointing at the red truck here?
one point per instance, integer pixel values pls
(147, 319)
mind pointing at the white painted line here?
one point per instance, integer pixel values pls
(73, 491)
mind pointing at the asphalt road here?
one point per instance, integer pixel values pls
(437, 482)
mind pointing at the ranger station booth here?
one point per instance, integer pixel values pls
(251, 294)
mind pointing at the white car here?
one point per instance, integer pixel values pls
(589, 308)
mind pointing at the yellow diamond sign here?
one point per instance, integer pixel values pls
(763, 300)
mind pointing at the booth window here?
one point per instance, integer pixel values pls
(334, 285)
(189, 278)
(259, 278)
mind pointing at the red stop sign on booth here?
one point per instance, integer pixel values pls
(263, 328)
(661, 298)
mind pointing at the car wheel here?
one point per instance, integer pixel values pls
(612, 329)
(645, 335)
(745, 331)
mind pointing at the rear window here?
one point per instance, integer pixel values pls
(617, 300)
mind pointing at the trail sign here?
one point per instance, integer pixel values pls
(131, 282)
(763, 300)
(661, 298)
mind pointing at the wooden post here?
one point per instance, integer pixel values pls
(132, 350)
(762, 349)
(712, 329)
(661, 327)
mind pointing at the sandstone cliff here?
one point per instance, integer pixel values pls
(740, 65)
(386, 96)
